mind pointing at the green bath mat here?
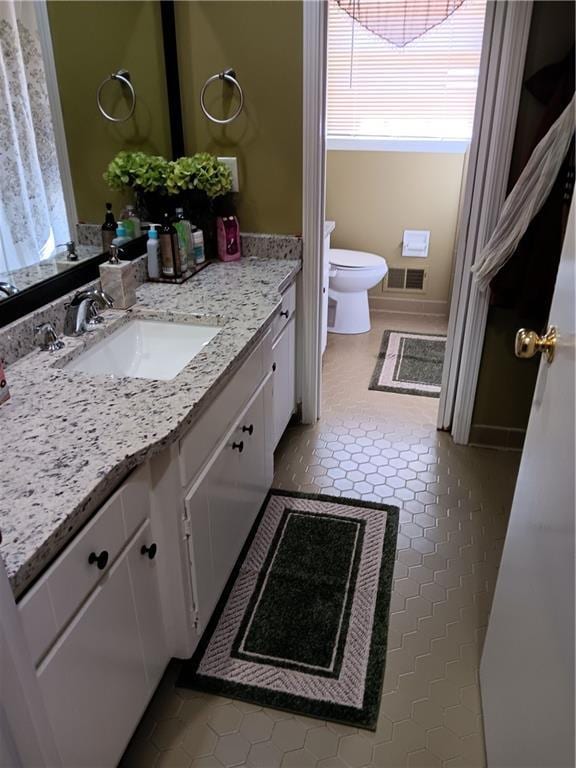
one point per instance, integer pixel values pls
(303, 622)
(410, 364)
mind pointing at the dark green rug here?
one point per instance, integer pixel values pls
(410, 364)
(303, 622)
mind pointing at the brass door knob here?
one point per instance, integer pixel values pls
(528, 343)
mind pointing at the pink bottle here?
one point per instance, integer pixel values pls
(228, 231)
(4, 391)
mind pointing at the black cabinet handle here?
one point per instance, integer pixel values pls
(285, 313)
(238, 446)
(100, 560)
(150, 551)
(249, 429)
(273, 366)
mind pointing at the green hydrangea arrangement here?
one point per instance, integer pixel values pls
(137, 170)
(203, 172)
(152, 173)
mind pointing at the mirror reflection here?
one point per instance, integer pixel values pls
(70, 100)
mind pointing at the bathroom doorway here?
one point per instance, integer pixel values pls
(501, 66)
(400, 105)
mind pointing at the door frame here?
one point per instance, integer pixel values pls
(499, 88)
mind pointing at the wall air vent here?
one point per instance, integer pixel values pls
(406, 279)
(396, 277)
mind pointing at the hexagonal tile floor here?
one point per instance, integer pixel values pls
(454, 504)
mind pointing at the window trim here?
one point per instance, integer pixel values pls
(377, 144)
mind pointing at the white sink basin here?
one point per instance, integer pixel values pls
(145, 349)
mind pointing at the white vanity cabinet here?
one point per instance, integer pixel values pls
(138, 584)
(99, 676)
(284, 365)
(95, 629)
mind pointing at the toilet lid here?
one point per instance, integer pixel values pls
(341, 257)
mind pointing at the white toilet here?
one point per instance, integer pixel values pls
(352, 274)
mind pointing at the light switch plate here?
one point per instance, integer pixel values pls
(232, 163)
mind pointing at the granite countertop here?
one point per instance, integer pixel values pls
(69, 439)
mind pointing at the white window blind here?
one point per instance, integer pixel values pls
(423, 90)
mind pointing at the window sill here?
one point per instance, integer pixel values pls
(448, 146)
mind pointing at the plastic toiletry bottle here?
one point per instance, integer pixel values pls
(228, 231)
(153, 251)
(169, 249)
(184, 230)
(108, 229)
(121, 236)
(131, 222)
(198, 240)
(4, 391)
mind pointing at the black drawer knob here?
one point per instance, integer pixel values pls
(249, 429)
(273, 366)
(285, 313)
(238, 446)
(101, 560)
(150, 551)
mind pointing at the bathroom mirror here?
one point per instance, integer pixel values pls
(57, 55)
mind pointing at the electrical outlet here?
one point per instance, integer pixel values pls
(232, 163)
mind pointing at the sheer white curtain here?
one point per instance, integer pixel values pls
(32, 208)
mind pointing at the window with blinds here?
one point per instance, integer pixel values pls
(420, 88)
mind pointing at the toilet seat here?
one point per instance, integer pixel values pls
(343, 258)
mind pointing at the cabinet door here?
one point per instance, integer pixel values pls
(222, 508)
(94, 681)
(143, 560)
(325, 283)
(255, 463)
(214, 531)
(283, 356)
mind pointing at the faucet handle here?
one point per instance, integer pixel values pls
(46, 339)
(92, 316)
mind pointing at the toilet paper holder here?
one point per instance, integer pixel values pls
(415, 243)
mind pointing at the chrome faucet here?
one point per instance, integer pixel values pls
(82, 312)
(71, 254)
(8, 289)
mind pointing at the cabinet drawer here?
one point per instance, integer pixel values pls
(198, 445)
(286, 310)
(69, 581)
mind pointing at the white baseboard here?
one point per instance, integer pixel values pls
(408, 305)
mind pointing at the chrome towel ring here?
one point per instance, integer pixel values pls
(124, 77)
(229, 76)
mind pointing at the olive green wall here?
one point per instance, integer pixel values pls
(506, 384)
(91, 40)
(263, 42)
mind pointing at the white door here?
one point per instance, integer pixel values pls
(527, 669)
